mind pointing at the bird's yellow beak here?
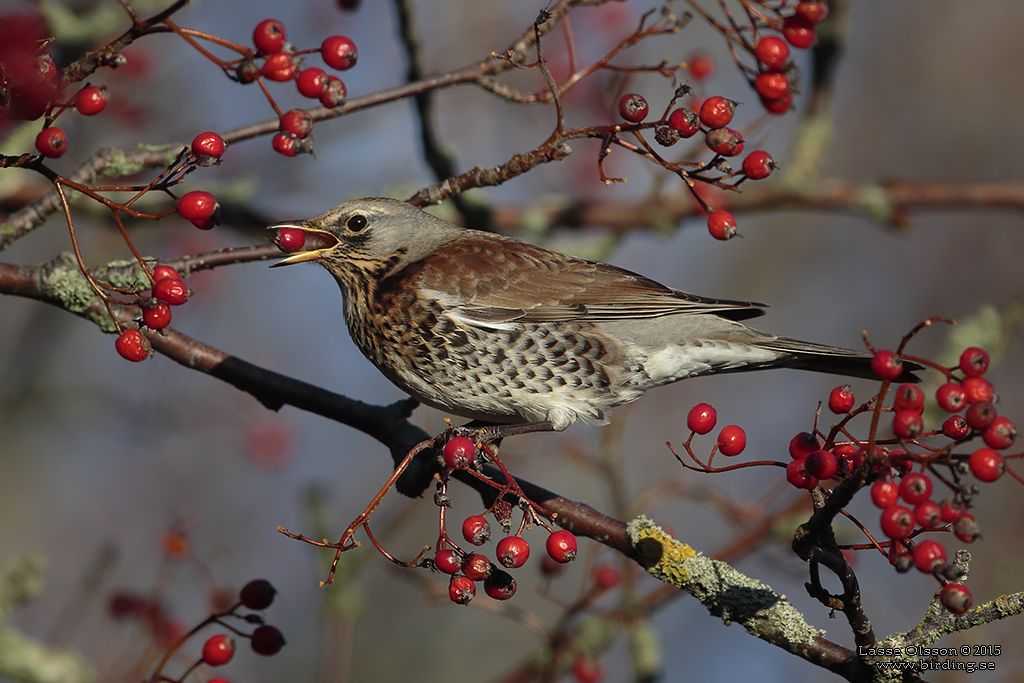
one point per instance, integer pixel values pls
(321, 242)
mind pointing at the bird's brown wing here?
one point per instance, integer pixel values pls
(493, 280)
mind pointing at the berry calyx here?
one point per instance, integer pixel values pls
(702, 418)
(725, 141)
(801, 445)
(459, 453)
(956, 427)
(279, 67)
(476, 530)
(722, 225)
(170, 291)
(258, 594)
(269, 36)
(951, 397)
(886, 364)
(821, 464)
(701, 66)
(956, 597)
(339, 52)
(561, 546)
(974, 361)
(500, 585)
(476, 567)
(267, 640)
(885, 493)
(732, 440)
(334, 94)
(717, 111)
(771, 85)
(513, 552)
(773, 52)
(758, 165)
(132, 345)
(290, 239)
(91, 100)
(841, 399)
(684, 121)
(200, 208)
(218, 649)
(798, 476)
(297, 122)
(929, 556)
(157, 316)
(798, 31)
(461, 590)
(986, 464)
(897, 522)
(916, 487)
(311, 82)
(633, 107)
(52, 142)
(208, 145)
(448, 561)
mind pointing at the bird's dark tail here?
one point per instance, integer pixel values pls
(833, 360)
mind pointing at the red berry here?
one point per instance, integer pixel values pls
(950, 511)
(986, 464)
(978, 390)
(448, 561)
(702, 418)
(476, 567)
(929, 556)
(966, 528)
(500, 585)
(821, 464)
(311, 82)
(1000, 434)
(132, 345)
(909, 397)
(758, 165)
(778, 106)
(797, 475)
(928, 514)
(803, 444)
(170, 291)
(798, 31)
(897, 522)
(980, 416)
(633, 107)
(850, 458)
(459, 452)
(290, 239)
(956, 427)
(717, 112)
(885, 493)
(267, 640)
(916, 487)
(701, 65)
(201, 208)
(724, 141)
(297, 122)
(513, 552)
(951, 397)
(162, 272)
(900, 557)
(339, 52)
(956, 597)
(285, 144)
(907, 424)
(280, 67)
(269, 36)
(91, 100)
(258, 594)
(587, 670)
(771, 85)
(606, 576)
(461, 590)
(157, 316)
(732, 440)
(722, 225)
(886, 365)
(841, 399)
(561, 546)
(52, 142)
(208, 144)
(772, 51)
(974, 361)
(334, 94)
(476, 530)
(684, 121)
(813, 11)
(218, 650)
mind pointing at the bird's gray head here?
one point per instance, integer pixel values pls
(370, 235)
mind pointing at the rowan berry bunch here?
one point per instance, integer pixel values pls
(925, 478)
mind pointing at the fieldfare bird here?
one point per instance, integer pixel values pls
(508, 333)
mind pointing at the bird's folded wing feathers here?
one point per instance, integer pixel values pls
(493, 281)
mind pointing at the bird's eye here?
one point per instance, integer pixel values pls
(356, 223)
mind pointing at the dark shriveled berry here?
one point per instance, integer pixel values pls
(267, 640)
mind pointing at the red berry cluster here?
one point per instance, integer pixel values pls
(773, 80)
(168, 289)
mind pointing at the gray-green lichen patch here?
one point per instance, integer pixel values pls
(124, 273)
(64, 282)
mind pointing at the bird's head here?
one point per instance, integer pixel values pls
(369, 234)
